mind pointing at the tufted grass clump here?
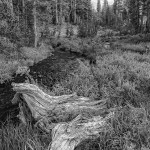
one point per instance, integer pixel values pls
(7, 68)
(22, 138)
(129, 130)
(80, 81)
(122, 78)
(36, 54)
(11, 59)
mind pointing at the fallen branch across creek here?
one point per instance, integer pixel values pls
(71, 118)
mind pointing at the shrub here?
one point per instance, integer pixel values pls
(5, 42)
(129, 130)
(140, 48)
(12, 67)
(12, 59)
(87, 29)
(69, 31)
(7, 69)
(122, 79)
(65, 44)
(35, 54)
(138, 38)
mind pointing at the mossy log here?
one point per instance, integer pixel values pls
(71, 118)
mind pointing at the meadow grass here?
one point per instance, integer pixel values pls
(23, 138)
(123, 79)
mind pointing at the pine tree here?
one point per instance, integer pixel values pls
(105, 12)
(98, 6)
(134, 12)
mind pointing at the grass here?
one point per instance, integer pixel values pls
(124, 81)
(7, 68)
(23, 138)
(139, 48)
(80, 81)
(138, 38)
(36, 54)
(123, 78)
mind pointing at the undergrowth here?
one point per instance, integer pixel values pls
(12, 58)
(23, 138)
(123, 80)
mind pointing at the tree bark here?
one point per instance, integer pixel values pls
(11, 8)
(61, 12)
(75, 13)
(66, 136)
(148, 17)
(35, 24)
(78, 118)
(56, 9)
(23, 6)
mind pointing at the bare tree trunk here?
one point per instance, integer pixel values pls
(23, 6)
(71, 11)
(78, 20)
(35, 24)
(148, 17)
(11, 8)
(56, 9)
(61, 12)
(75, 13)
(141, 25)
(24, 16)
(60, 19)
(86, 114)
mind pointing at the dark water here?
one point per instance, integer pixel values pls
(7, 110)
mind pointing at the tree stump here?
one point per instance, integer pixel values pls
(71, 118)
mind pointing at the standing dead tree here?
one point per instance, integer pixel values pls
(71, 118)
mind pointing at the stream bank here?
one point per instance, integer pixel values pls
(46, 73)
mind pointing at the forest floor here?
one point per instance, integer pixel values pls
(107, 66)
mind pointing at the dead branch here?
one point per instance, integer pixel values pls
(67, 133)
(66, 136)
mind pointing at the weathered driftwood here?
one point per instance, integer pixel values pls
(47, 110)
(66, 136)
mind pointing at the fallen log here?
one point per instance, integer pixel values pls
(71, 118)
(66, 136)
